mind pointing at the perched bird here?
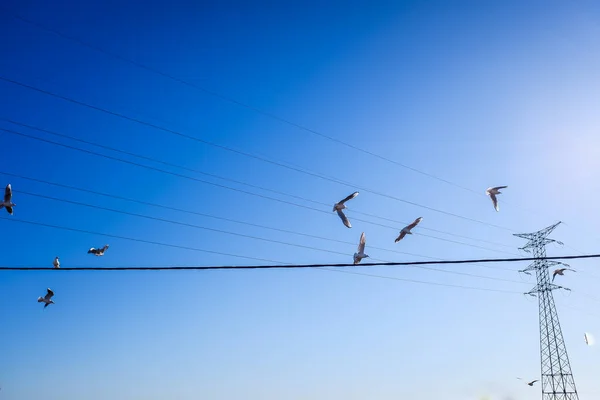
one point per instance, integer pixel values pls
(360, 254)
(98, 252)
(56, 263)
(560, 271)
(339, 206)
(406, 230)
(7, 200)
(492, 192)
(46, 299)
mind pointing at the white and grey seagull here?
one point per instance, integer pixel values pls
(407, 229)
(46, 299)
(561, 271)
(56, 263)
(7, 200)
(360, 254)
(492, 192)
(98, 252)
(339, 206)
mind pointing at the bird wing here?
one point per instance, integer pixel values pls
(361, 244)
(532, 382)
(495, 201)
(49, 294)
(7, 193)
(9, 209)
(92, 250)
(353, 195)
(415, 223)
(499, 187)
(344, 219)
(400, 237)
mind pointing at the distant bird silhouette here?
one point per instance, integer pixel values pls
(339, 206)
(7, 200)
(56, 263)
(98, 252)
(46, 299)
(532, 382)
(561, 271)
(589, 339)
(492, 192)
(407, 229)
(360, 254)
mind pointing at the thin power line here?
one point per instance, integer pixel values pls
(237, 102)
(158, 127)
(295, 266)
(233, 180)
(224, 186)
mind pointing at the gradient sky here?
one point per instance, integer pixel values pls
(476, 94)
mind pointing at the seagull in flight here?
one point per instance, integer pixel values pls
(492, 192)
(360, 254)
(530, 383)
(98, 252)
(46, 299)
(406, 230)
(7, 200)
(56, 263)
(339, 206)
(561, 271)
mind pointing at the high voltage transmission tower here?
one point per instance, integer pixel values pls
(557, 380)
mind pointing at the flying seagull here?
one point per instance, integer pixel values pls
(46, 299)
(56, 263)
(360, 254)
(492, 192)
(7, 200)
(98, 252)
(589, 339)
(339, 206)
(406, 230)
(561, 271)
(530, 383)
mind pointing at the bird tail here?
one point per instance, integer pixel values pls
(40, 299)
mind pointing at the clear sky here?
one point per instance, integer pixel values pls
(475, 94)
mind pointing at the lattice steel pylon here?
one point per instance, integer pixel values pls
(557, 380)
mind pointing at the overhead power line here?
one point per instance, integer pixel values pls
(297, 266)
(13, 132)
(236, 102)
(128, 153)
(240, 152)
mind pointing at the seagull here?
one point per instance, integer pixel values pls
(406, 230)
(339, 206)
(360, 254)
(7, 200)
(492, 192)
(589, 339)
(532, 382)
(560, 271)
(56, 263)
(46, 299)
(98, 252)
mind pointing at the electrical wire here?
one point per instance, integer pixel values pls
(320, 203)
(10, 131)
(240, 152)
(288, 265)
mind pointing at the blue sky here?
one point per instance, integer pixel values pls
(478, 95)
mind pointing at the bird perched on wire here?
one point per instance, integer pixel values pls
(561, 271)
(56, 263)
(492, 192)
(46, 299)
(7, 200)
(98, 252)
(360, 253)
(339, 206)
(407, 229)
